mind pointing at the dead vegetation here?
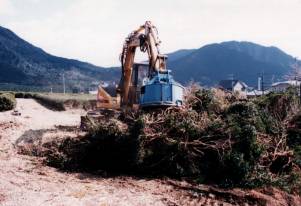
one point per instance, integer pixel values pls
(217, 138)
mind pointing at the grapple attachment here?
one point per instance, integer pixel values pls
(161, 90)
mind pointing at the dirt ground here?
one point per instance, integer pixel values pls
(24, 180)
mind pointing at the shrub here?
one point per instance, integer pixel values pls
(25, 95)
(50, 103)
(294, 131)
(19, 95)
(297, 155)
(243, 109)
(165, 147)
(7, 102)
(205, 100)
(279, 106)
(174, 142)
(107, 146)
(239, 162)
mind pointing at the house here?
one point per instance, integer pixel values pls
(233, 86)
(283, 86)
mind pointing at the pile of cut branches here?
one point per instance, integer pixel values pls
(216, 138)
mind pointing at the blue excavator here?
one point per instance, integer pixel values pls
(143, 85)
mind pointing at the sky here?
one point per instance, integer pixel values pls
(94, 30)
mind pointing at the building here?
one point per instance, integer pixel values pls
(283, 86)
(234, 86)
(255, 93)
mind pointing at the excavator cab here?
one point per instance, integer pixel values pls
(138, 79)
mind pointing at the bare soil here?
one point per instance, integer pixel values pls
(24, 180)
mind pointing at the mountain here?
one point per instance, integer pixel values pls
(21, 63)
(243, 60)
(179, 54)
(24, 65)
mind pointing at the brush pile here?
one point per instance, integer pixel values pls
(216, 138)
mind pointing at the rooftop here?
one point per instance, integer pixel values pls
(229, 84)
(289, 82)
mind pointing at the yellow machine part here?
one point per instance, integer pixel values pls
(105, 101)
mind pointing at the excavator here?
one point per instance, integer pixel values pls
(143, 85)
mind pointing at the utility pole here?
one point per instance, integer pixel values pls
(64, 84)
(296, 76)
(273, 78)
(300, 91)
(262, 83)
(231, 76)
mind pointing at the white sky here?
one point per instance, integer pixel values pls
(94, 30)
